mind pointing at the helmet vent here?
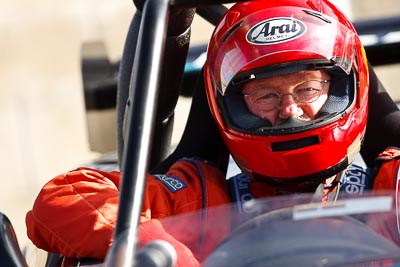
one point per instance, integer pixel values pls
(231, 30)
(295, 144)
(318, 15)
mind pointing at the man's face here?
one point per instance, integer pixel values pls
(299, 95)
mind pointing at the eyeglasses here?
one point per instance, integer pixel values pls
(306, 92)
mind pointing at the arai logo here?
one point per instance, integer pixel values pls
(276, 30)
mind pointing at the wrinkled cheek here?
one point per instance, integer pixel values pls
(270, 115)
(317, 105)
(309, 112)
(312, 110)
(255, 111)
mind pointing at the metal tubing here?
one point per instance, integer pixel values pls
(143, 94)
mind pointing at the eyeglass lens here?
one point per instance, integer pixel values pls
(306, 92)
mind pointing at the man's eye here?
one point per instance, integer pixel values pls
(268, 96)
(307, 91)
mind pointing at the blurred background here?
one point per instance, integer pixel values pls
(42, 111)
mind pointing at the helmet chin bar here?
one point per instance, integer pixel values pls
(311, 180)
(295, 144)
(289, 124)
(293, 124)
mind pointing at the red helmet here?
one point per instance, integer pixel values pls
(259, 39)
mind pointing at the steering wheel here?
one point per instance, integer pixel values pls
(276, 239)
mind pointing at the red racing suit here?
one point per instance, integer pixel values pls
(75, 213)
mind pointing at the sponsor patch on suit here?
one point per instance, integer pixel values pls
(173, 183)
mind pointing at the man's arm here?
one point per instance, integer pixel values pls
(75, 214)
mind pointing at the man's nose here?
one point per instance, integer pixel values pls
(288, 107)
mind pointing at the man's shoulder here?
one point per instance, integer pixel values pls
(389, 153)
